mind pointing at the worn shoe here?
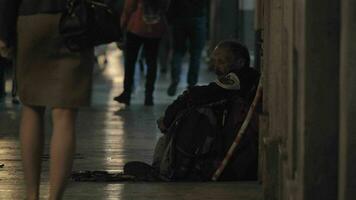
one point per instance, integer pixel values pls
(141, 171)
(172, 89)
(15, 101)
(149, 101)
(123, 98)
(163, 70)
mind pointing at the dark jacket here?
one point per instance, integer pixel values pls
(11, 9)
(200, 95)
(29, 7)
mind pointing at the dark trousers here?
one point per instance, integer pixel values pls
(2, 81)
(132, 47)
(190, 31)
(165, 51)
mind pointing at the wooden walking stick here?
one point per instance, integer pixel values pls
(240, 133)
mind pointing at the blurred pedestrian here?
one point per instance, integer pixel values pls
(48, 76)
(145, 24)
(189, 27)
(6, 67)
(2, 78)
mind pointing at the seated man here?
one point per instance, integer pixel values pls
(231, 61)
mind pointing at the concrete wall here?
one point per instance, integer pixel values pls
(273, 99)
(347, 175)
(321, 95)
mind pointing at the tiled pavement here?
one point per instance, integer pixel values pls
(109, 135)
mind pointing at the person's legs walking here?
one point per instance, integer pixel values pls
(31, 138)
(62, 150)
(197, 37)
(179, 48)
(2, 76)
(14, 99)
(132, 46)
(165, 51)
(2, 81)
(151, 46)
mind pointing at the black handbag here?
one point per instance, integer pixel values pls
(88, 23)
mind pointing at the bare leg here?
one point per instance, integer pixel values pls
(31, 138)
(62, 150)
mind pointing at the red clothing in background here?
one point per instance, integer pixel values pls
(132, 19)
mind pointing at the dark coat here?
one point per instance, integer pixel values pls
(29, 7)
(200, 95)
(11, 9)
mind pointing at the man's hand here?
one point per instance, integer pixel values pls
(4, 50)
(161, 125)
(2, 45)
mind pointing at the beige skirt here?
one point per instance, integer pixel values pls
(47, 73)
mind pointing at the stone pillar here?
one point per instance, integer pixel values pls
(271, 128)
(320, 94)
(300, 123)
(347, 172)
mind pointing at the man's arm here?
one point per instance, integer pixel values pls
(181, 103)
(194, 96)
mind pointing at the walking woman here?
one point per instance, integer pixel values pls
(51, 77)
(145, 24)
